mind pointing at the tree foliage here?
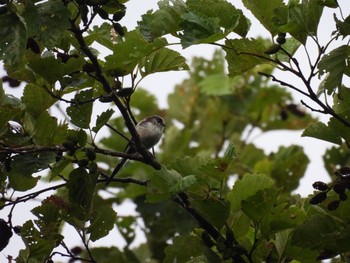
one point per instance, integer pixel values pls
(55, 133)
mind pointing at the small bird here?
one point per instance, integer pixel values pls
(150, 131)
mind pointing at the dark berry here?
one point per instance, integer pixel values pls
(320, 186)
(333, 205)
(318, 198)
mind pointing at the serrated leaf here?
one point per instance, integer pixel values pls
(101, 222)
(281, 241)
(288, 167)
(127, 54)
(311, 233)
(291, 46)
(328, 3)
(183, 184)
(163, 21)
(102, 119)
(45, 128)
(214, 211)
(263, 10)
(243, 54)
(160, 184)
(161, 60)
(334, 65)
(8, 112)
(217, 85)
(36, 99)
(226, 15)
(54, 16)
(248, 186)
(13, 39)
(260, 204)
(198, 29)
(321, 131)
(339, 129)
(80, 111)
(50, 68)
(81, 187)
(230, 151)
(24, 166)
(188, 249)
(343, 26)
(82, 137)
(37, 247)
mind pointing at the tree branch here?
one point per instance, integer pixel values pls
(148, 159)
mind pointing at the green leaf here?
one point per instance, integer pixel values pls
(54, 17)
(217, 85)
(240, 224)
(100, 34)
(340, 100)
(243, 54)
(49, 220)
(37, 247)
(161, 182)
(263, 10)
(281, 241)
(291, 46)
(214, 211)
(260, 204)
(81, 187)
(312, 233)
(339, 129)
(82, 138)
(81, 109)
(224, 13)
(13, 39)
(36, 99)
(45, 128)
(289, 166)
(321, 131)
(108, 255)
(161, 60)
(23, 166)
(7, 113)
(334, 65)
(302, 19)
(102, 222)
(50, 68)
(102, 119)
(188, 249)
(183, 184)
(198, 29)
(163, 21)
(328, 3)
(127, 54)
(343, 26)
(248, 186)
(230, 151)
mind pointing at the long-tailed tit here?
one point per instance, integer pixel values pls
(150, 131)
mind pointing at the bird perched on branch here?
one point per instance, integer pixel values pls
(150, 131)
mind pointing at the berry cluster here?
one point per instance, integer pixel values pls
(339, 186)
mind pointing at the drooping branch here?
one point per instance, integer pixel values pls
(306, 81)
(147, 158)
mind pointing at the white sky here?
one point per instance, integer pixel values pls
(162, 84)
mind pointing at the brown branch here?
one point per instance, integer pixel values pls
(182, 200)
(147, 158)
